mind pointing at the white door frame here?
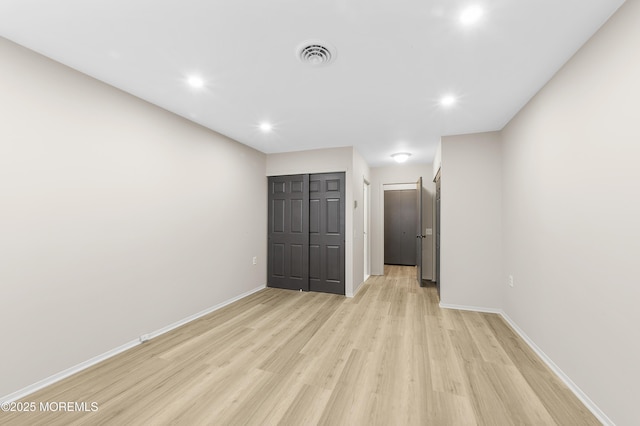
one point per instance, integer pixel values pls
(366, 201)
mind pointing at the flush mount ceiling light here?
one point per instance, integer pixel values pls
(471, 14)
(447, 100)
(401, 157)
(195, 81)
(316, 53)
(266, 127)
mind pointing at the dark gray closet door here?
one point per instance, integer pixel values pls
(400, 219)
(326, 232)
(288, 234)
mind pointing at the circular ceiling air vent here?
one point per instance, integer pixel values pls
(316, 53)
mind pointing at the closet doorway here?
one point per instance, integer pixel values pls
(403, 228)
(400, 218)
(306, 232)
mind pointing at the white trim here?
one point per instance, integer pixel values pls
(97, 359)
(471, 308)
(398, 186)
(353, 294)
(595, 410)
(366, 227)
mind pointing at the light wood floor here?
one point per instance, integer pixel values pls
(389, 356)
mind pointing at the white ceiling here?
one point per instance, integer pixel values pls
(395, 60)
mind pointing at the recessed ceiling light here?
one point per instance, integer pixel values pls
(401, 157)
(266, 127)
(195, 82)
(448, 100)
(471, 15)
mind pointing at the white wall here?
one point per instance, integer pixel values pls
(437, 160)
(313, 161)
(361, 173)
(117, 218)
(394, 174)
(346, 160)
(471, 230)
(571, 185)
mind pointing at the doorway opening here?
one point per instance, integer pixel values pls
(365, 228)
(403, 238)
(400, 216)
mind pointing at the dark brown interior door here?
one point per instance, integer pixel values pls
(326, 232)
(288, 233)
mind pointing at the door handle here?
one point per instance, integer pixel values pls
(421, 236)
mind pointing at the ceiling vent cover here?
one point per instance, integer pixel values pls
(316, 53)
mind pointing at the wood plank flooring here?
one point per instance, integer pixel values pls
(389, 356)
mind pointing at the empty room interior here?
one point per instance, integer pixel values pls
(338, 213)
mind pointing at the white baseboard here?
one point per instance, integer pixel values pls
(591, 406)
(352, 294)
(471, 308)
(203, 313)
(600, 415)
(95, 360)
(66, 373)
